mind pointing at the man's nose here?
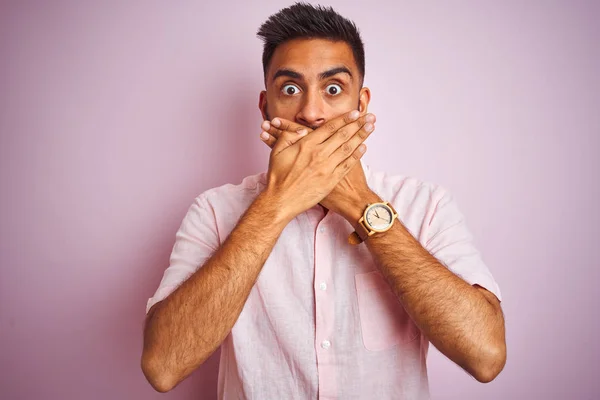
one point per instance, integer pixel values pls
(312, 111)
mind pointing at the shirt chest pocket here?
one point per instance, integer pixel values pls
(383, 321)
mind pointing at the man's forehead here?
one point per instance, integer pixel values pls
(311, 56)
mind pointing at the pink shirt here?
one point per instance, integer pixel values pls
(321, 322)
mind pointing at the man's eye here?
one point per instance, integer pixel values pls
(290, 90)
(334, 89)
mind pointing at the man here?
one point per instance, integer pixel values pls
(321, 278)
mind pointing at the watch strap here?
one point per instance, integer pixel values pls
(354, 238)
(357, 237)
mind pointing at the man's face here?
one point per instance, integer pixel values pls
(311, 81)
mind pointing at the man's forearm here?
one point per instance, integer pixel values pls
(464, 322)
(183, 330)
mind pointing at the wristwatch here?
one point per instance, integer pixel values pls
(377, 218)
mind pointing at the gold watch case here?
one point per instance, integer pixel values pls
(377, 218)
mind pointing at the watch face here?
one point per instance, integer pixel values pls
(379, 217)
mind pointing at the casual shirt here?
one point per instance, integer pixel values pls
(321, 322)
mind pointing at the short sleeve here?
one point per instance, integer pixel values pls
(195, 241)
(450, 241)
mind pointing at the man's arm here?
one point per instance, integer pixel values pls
(183, 330)
(464, 322)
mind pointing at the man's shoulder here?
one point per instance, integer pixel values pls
(392, 185)
(235, 193)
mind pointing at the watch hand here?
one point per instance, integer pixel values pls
(383, 220)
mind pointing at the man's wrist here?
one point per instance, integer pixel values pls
(274, 208)
(355, 207)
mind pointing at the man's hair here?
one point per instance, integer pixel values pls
(305, 21)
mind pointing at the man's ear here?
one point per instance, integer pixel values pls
(262, 104)
(363, 100)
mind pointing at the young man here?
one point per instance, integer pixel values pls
(321, 278)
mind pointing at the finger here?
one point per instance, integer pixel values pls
(348, 147)
(327, 130)
(278, 132)
(281, 124)
(270, 140)
(268, 127)
(287, 139)
(284, 125)
(267, 139)
(345, 133)
(348, 163)
(348, 135)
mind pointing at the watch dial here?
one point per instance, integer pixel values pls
(379, 217)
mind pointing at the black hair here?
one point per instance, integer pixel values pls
(303, 20)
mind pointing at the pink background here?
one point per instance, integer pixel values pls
(114, 117)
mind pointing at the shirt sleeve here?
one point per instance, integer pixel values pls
(195, 241)
(450, 241)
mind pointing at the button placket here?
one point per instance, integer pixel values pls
(324, 310)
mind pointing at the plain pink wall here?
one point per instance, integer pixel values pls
(114, 117)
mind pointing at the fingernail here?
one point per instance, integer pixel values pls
(276, 123)
(369, 127)
(370, 118)
(302, 132)
(264, 135)
(362, 148)
(266, 125)
(354, 114)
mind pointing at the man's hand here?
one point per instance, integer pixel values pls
(304, 169)
(352, 186)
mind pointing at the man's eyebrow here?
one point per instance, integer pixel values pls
(289, 73)
(335, 71)
(323, 75)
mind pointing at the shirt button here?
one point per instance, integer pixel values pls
(323, 286)
(322, 229)
(325, 344)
